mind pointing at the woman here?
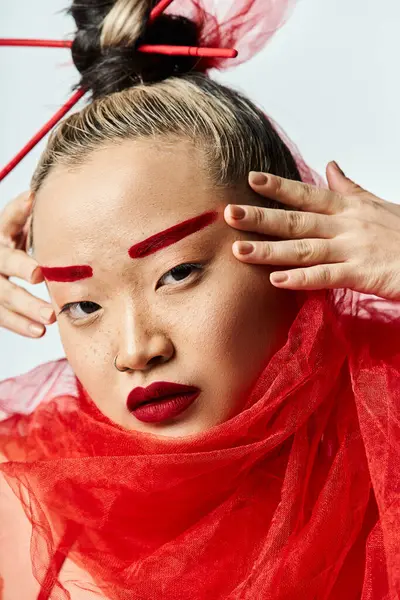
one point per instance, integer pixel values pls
(273, 471)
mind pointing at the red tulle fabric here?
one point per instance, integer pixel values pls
(246, 25)
(295, 497)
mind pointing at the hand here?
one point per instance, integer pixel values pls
(344, 237)
(19, 310)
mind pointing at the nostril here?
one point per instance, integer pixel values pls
(155, 360)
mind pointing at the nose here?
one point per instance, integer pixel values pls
(140, 347)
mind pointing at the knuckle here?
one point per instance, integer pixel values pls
(365, 226)
(295, 223)
(304, 251)
(354, 205)
(259, 216)
(307, 193)
(301, 277)
(278, 184)
(266, 250)
(324, 275)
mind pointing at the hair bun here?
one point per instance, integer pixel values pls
(113, 68)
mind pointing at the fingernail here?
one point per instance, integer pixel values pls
(237, 212)
(257, 178)
(245, 247)
(279, 277)
(338, 168)
(36, 329)
(46, 314)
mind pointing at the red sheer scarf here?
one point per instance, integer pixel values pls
(295, 497)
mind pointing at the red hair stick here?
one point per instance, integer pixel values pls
(146, 48)
(42, 132)
(188, 51)
(159, 9)
(40, 43)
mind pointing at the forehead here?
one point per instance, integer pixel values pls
(120, 195)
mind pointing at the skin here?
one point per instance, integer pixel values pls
(355, 245)
(214, 329)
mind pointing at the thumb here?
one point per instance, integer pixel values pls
(338, 182)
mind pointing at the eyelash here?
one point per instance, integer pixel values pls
(178, 269)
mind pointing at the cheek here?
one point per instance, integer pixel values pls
(241, 322)
(86, 356)
(240, 317)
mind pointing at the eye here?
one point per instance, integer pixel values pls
(180, 273)
(77, 311)
(69, 309)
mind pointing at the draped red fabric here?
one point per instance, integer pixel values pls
(295, 497)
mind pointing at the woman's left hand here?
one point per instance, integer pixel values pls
(341, 237)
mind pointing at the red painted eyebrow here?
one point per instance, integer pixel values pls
(141, 249)
(172, 235)
(73, 273)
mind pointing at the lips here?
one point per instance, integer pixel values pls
(157, 391)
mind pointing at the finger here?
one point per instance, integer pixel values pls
(16, 299)
(288, 224)
(17, 263)
(20, 240)
(338, 182)
(295, 193)
(14, 215)
(296, 252)
(315, 278)
(19, 324)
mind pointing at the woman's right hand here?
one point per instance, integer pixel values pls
(19, 310)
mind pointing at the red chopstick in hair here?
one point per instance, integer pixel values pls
(41, 133)
(188, 51)
(159, 9)
(146, 48)
(42, 43)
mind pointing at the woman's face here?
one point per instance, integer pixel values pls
(213, 325)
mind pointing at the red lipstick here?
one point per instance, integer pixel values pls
(160, 401)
